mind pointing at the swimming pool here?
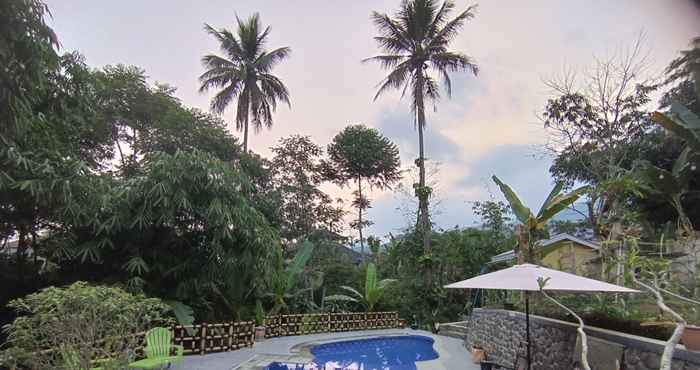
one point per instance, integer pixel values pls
(383, 353)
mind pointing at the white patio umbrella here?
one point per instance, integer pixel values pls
(524, 277)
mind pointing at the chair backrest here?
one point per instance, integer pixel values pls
(158, 342)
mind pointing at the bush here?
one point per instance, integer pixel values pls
(74, 326)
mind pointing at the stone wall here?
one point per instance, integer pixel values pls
(500, 333)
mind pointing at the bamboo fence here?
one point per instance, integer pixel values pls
(221, 337)
(285, 325)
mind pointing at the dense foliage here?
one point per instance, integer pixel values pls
(78, 324)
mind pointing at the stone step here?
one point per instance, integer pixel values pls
(454, 330)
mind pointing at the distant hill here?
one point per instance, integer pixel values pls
(572, 215)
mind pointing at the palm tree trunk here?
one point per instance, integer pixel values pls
(359, 218)
(422, 191)
(245, 137)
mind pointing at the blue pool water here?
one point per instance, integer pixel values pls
(385, 353)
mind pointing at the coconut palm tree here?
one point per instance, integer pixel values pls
(244, 74)
(414, 44)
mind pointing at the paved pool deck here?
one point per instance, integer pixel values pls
(453, 355)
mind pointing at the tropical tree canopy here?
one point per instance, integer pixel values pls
(357, 154)
(244, 73)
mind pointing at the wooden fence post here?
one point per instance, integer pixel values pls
(230, 335)
(202, 342)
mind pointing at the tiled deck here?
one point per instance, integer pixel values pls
(453, 355)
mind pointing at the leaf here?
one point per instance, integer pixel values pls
(555, 191)
(681, 129)
(559, 203)
(183, 313)
(296, 267)
(353, 291)
(340, 297)
(661, 180)
(386, 282)
(689, 118)
(370, 279)
(521, 212)
(136, 266)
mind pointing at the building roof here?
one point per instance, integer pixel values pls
(510, 255)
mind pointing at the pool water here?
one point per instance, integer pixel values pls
(384, 353)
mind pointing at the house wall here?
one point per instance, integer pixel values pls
(570, 257)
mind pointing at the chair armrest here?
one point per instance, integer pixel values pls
(147, 351)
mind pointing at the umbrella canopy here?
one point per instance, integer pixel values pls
(524, 277)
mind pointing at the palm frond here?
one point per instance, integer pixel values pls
(228, 43)
(387, 61)
(267, 60)
(396, 79)
(224, 97)
(449, 31)
(340, 297)
(453, 62)
(382, 284)
(391, 30)
(353, 291)
(248, 34)
(274, 89)
(243, 108)
(441, 16)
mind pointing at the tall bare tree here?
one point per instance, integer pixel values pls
(594, 121)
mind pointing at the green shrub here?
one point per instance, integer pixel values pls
(59, 328)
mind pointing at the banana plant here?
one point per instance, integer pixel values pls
(682, 122)
(674, 184)
(373, 290)
(533, 225)
(284, 283)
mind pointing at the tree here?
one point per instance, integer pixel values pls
(183, 228)
(415, 42)
(595, 125)
(283, 284)
(686, 70)
(28, 53)
(357, 154)
(374, 290)
(533, 226)
(494, 215)
(305, 210)
(673, 185)
(81, 323)
(244, 73)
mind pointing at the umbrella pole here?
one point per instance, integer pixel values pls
(527, 326)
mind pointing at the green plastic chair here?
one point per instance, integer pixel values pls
(159, 349)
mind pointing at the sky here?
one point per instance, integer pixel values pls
(489, 125)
